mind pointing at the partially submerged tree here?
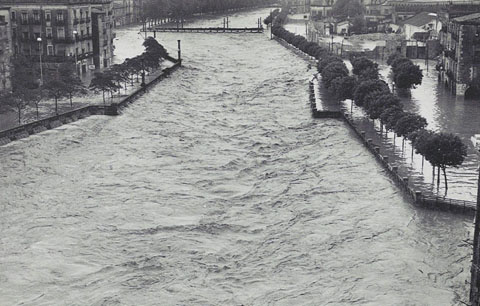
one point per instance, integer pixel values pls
(383, 101)
(332, 71)
(407, 75)
(56, 87)
(73, 83)
(360, 64)
(103, 82)
(367, 87)
(390, 116)
(444, 150)
(17, 101)
(409, 123)
(342, 88)
(326, 60)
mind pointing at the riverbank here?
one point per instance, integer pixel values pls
(375, 144)
(113, 109)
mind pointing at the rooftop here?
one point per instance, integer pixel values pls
(421, 19)
(472, 18)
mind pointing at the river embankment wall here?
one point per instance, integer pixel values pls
(113, 109)
(412, 192)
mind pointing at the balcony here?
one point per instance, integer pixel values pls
(63, 40)
(84, 37)
(82, 20)
(60, 22)
(53, 58)
(85, 55)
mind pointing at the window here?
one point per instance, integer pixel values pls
(60, 32)
(36, 35)
(48, 31)
(13, 16)
(50, 50)
(60, 16)
(24, 17)
(36, 16)
(88, 47)
(25, 35)
(88, 31)
(48, 16)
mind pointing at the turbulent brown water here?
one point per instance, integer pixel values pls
(218, 188)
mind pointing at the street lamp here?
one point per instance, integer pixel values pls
(75, 50)
(475, 275)
(143, 73)
(332, 42)
(39, 39)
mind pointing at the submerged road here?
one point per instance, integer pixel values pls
(218, 188)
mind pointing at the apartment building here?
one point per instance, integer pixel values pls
(124, 12)
(460, 62)
(63, 30)
(5, 49)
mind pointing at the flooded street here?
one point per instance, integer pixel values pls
(218, 188)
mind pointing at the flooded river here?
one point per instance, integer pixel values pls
(218, 188)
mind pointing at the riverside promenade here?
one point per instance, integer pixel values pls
(113, 108)
(323, 106)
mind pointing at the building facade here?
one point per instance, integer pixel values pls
(125, 12)
(5, 49)
(460, 62)
(62, 31)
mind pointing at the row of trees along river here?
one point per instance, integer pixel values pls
(29, 88)
(366, 89)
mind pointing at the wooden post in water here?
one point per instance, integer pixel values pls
(475, 269)
(179, 52)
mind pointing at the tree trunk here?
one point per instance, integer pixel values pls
(56, 105)
(445, 177)
(71, 102)
(103, 91)
(19, 115)
(403, 144)
(36, 106)
(438, 177)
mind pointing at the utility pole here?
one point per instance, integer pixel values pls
(475, 269)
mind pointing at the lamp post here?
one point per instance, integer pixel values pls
(143, 72)
(75, 50)
(475, 270)
(341, 49)
(332, 42)
(39, 39)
